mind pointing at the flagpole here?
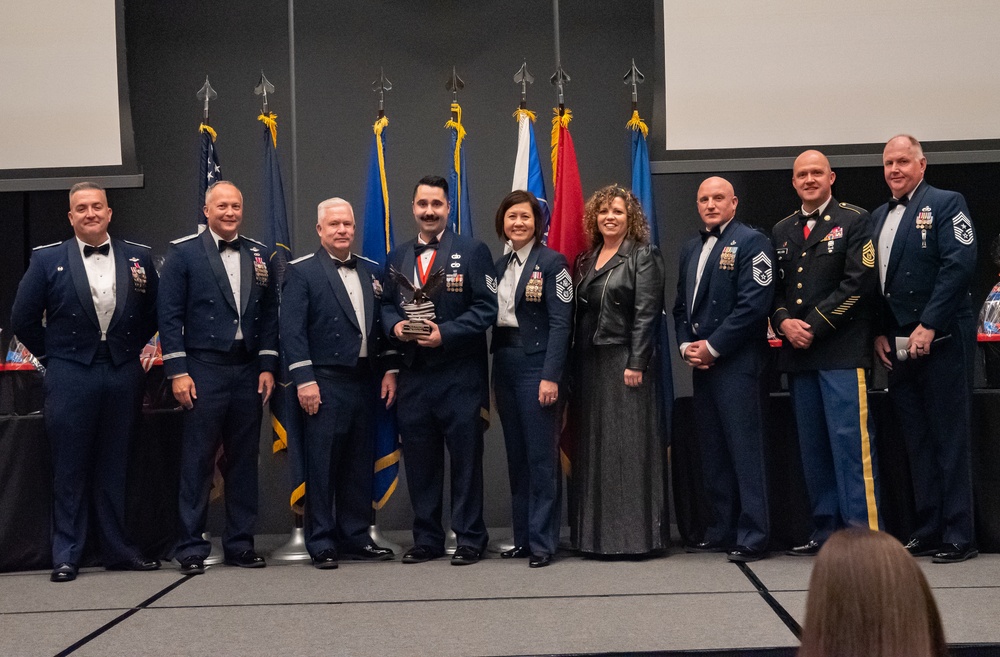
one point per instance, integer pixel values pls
(293, 123)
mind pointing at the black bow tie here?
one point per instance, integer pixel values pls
(350, 263)
(419, 248)
(234, 245)
(103, 249)
(898, 201)
(705, 234)
(812, 215)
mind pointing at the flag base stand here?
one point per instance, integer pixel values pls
(295, 548)
(450, 542)
(214, 557)
(380, 540)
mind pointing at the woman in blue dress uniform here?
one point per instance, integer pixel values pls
(619, 453)
(530, 341)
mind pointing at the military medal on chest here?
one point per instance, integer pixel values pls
(727, 259)
(832, 237)
(454, 282)
(259, 268)
(925, 220)
(533, 289)
(138, 276)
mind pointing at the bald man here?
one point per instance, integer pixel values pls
(823, 306)
(724, 295)
(219, 330)
(926, 255)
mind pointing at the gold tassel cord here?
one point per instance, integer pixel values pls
(637, 124)
(558, 121)
(271, 121)
(204, 127)
(522, 113)
(379, 126)
(456, 124)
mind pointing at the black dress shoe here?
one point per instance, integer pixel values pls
(516, 552)
(135, 563)
(64, 572)
(539, 560)
(955, 553)
(922, 548)
(742, 553)
(192, 566)
(705, 546)
(465, 555)
(326, 559)
(370, 552)
(420, 554)
(246, 559)
(810, 549)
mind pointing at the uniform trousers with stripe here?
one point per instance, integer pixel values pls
(838, 449)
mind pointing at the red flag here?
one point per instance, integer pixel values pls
(566, 228)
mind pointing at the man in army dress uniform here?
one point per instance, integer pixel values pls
(823, 314)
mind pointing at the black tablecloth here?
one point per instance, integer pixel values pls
(26, 489)
(789, 504)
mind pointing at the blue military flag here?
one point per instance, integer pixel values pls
(460, 217)
(528, 166)
(209, 169)
(642, 179)
(642, 187)
(286, 420)
(376, 243)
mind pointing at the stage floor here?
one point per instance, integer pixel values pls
(682, 602)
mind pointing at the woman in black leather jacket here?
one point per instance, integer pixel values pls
(619, 456)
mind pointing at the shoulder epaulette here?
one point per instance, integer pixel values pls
(789, 216)
(185, 238)
(45, 246)
(250, 239)
(301, 259)
(367, 259)
(852, 208)
(136, 244)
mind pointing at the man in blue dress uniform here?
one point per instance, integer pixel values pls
(331, 331)
(823, 307)
(219, 332)
(926, 254)
(443, 393)
(724, 294)
(85, 308)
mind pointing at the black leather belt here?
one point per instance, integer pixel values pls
(328, 371)
(506, 337)
(237, 355)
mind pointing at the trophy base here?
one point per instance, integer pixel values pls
(416, 327)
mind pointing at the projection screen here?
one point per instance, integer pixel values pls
(747, 81)
(65, 95)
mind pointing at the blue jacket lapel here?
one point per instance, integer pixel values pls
(122, 280)
(337, 285)
(215, 260)
(80, 280)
